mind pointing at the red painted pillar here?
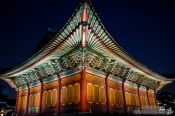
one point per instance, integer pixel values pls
(59, 96)
(83, 90)
(83, 99)
(139, 97)
(147, 97)
(107, 95)
(41, 98)
(17, 98)
(155, 100)
(27, 106)
(124, 99)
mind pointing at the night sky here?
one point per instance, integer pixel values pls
(144, 28)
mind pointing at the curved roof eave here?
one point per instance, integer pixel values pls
(122, 54)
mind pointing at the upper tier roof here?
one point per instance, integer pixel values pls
(98, 38)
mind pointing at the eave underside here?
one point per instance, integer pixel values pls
(97, 39)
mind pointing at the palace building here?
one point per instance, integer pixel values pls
(83, 69)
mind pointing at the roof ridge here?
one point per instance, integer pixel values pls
(85, 22)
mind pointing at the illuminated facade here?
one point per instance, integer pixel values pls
(83, 69)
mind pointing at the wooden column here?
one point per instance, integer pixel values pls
(59, 95)
(147, 96)
(138, 86)
(83, 98)
(124, 99)
(83, 89)
(155, 99)
(107, 95)
(28, 95)
(17, 99)
(41, 97)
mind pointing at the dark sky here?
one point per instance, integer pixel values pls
(144, 28)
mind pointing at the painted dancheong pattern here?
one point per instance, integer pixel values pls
(82, 69)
